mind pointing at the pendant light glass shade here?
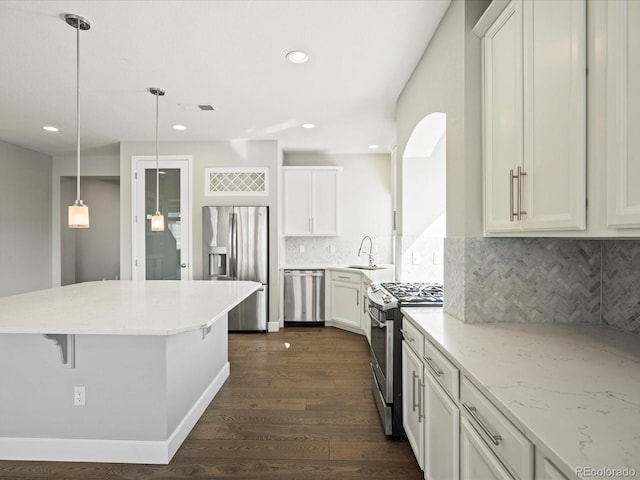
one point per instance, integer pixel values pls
(157, 219)
(157, 222)
(78, 215)
(78, 212)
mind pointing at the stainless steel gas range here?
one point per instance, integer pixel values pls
(385, 301)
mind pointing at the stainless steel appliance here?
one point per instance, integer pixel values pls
(303, 297)
(384, 303)
(235, 244)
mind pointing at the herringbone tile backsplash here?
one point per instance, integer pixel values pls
(621, 284)
(543, 280)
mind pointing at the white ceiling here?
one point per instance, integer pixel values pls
(230, 54)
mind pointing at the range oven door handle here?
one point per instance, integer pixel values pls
(374, 319)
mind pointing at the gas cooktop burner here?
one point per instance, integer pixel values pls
(415, 293)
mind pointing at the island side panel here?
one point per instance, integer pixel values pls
(124, 379)
(197, 366)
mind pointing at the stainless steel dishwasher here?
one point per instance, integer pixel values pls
(303, 297)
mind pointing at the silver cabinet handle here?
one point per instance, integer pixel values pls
(343, 277)
(364, 303)
(512, 214)
(420, 403)
(432, 366)
(521, 174)
(413, 388)
(471, 410)
(406, 336)
(357, 298)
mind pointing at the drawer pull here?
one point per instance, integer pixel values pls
(413, 392)
(435, 371)
(471, 410)
(406, 336)
(344, 278)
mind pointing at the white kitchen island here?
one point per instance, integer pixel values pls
(151, 355)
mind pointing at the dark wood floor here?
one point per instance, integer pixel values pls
(303, 412)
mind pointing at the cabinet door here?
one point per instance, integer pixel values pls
(476, 460)
(365, 320)
(554, 51)
(442, 433)
(412, 401)
(623, 123)
(345, 303)
(325, 202)
(503, 117)
(297, 202)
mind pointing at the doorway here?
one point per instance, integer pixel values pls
(162, 255)
(90, 254)
(421, 246)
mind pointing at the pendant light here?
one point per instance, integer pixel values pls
(157, 219)
(78, 212)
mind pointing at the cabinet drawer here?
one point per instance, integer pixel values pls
(413, 337)
(345, 277)
(445, 372)
(497, 431)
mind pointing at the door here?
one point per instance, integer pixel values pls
(442, 433)
(476, 460)
(554, 115)
(297, 202)
(412, 402)
(250, 261)
(161, 255)
(502, 117)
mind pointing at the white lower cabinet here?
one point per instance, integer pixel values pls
(413, 401)
(345, 300)
(365, 320)
(442, 433)
(476, 460)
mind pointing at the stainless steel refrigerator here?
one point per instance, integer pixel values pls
(236, 247)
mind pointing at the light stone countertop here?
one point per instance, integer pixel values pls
(123, 307)
(573, 389)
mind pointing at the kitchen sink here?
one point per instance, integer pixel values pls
(366, 267)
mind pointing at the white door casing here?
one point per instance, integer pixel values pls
(138, 166)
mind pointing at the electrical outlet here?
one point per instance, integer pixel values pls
(301, 248)
(79, 396)
(332, 249)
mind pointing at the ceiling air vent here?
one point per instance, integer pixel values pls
(205, 107)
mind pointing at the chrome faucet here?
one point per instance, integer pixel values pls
(371, 260)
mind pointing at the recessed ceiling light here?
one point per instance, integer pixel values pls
(308, 125)
(374, 146)
(179, 127)
(297, 56)
(50, 128)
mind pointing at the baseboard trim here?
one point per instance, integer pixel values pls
(112, 451)
(273, 327)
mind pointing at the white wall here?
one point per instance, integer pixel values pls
(91, 253)
(208, 154)
(102, 163)
(447, 79)
(365, 209)
(25, 220)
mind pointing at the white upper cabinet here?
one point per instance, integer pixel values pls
(534, 69)
(623, 97)
(311, 197)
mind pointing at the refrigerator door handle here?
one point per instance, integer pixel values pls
(234, 246)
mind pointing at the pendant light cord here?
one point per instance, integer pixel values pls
(78, 109)
(157, 158)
